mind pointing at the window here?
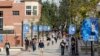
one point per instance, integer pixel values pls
(28, 10)
(1, 13)
(1, 20)
(34, 10)
(16, 13)
(31, 10)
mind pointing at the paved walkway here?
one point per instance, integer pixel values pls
(52, 50)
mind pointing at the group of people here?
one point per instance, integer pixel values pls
(51, 38)
(32, 43)
(68, 43)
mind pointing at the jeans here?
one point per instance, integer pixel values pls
(62, 51)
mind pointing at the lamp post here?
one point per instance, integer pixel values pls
(31, 30)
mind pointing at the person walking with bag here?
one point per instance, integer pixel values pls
(7, 47)
(62, 45)
(33, 44)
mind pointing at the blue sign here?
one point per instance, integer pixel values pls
(86, 29)
(41, 28)
(35, 28)
(1, 38)
(72, 29)
(26, 28)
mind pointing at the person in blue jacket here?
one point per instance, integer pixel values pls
(41, 47)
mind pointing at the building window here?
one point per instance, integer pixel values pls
(1, 13)
(31, 10)
(16, 13)
(28, 10)
(34, 10)
(1, 20)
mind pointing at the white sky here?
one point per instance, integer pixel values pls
(56, 1)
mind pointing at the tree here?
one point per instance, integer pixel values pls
(49, 13)
(74, 11)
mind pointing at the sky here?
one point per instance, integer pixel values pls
(56, 1)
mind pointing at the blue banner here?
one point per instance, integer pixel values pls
(1, 38)
(86, 28)
(41, 28)
(26, 28)
(35, 28)
(72, 29)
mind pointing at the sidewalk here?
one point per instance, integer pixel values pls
(13, 53)
(80, 43)
(52, 50)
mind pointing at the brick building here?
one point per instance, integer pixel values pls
(12, 13)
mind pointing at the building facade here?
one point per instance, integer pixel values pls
(12, 14)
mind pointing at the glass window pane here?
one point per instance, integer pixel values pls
(1, 23)
(34, 10)
(28, 12)
(15, 12)
(28, 7)
(1, 13)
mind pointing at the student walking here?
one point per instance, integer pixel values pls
(7, 47)
(41, 47)
(33, 44)
(73, 45)
(26, 44)
(62, 45)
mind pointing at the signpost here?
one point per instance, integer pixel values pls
(25, 30)
(72, 29)
(89, 31)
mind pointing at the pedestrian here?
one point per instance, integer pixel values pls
(7, 47)
(26, 44)
(62, 45)
(52, 40)
(73, 45)
(54, 36)
(33, 44)
(48, 41)
(41, 47)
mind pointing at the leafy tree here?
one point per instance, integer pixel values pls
(49, 11)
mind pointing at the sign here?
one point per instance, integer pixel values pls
(35, 28)
(91, 38)
(72, 29)
(26, 28)
(1, 38)
(41, 28)
(89, 25)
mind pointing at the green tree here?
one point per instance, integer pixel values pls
(49, 14)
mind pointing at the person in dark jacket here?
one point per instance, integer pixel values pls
(41, 47)
(7, 47)
(33, 44)
(62, 45)
(73, 45)
(26, 44)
